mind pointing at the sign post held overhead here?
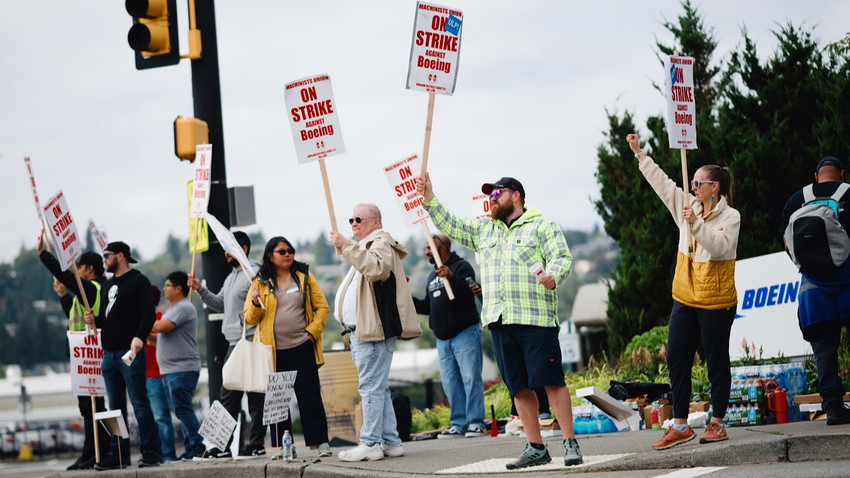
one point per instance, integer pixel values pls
(200, 193)
(314, 122)
(681, 115)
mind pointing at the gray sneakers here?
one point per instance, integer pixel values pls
(572, 453)
(530, 457)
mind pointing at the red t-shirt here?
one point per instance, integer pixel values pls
(150, 355)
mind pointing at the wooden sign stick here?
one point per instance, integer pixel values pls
(328, 199)
(685, 196)
(249, 281)
(425, 150)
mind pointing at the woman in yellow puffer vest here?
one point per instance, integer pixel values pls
(704, 294)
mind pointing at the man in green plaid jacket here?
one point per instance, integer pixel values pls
(523, 259)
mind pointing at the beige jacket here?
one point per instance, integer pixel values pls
(704, 278)
(382, 255)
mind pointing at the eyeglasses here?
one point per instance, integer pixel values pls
(107, 255)
(357, 219)
(695, 184)
(494, 194)
(284, 252)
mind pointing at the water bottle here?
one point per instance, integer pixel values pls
(656, 425)
(287, 446)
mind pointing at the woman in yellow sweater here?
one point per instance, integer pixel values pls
(704, 294)
(292, 323)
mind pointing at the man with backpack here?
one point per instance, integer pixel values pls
(815, 222)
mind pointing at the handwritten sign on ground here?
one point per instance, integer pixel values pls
(201, 181)
(218, 426)
(279, 390)
(313, 118)
(681, 109)
(403, 183)
(435, 50)
(59, 221)
(86, 355)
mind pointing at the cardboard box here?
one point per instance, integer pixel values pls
(815, 398)
(699, 407)
(547, 424)
(664, 413)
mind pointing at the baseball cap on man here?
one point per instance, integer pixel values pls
(830, 161)
(119, 246)
(94, 260)
(506, 182)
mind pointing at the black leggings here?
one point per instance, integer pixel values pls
(687, 325)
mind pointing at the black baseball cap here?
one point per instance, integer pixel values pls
(830, 161)
(92, 259)
(506, 182)
(119, 246)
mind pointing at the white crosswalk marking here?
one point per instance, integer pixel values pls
(692, 472)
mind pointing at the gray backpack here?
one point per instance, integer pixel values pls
(816, 240)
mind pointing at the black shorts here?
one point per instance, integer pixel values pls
(528, 356)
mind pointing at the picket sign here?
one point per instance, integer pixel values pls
(200, 193)
(217, 427)
(100, 238)
(681, 117)
(313, 120)
(232, 247)
(434, 59)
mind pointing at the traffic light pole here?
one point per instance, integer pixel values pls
(206, 93)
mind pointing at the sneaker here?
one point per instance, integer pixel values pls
(215, 453)
(325, 450)
(148, 460)
(451, 432)
(572, 453)
(836, 414)
(362, 452)
(544, 416)
(109, 462)
(673, 437)
(714, 432)
(530, 457)
(475, 431)
(192, 453)
(392, 451)
(82, 463)
(259, 451)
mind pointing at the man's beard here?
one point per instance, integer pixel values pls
(501, 213)
(233, 262)
(112, 267)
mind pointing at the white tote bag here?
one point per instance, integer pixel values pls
(249, 364)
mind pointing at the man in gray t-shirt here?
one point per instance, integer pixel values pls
(179, 360)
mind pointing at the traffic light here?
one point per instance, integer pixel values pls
(154, 32)
(188, 133)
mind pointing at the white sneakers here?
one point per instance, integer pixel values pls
(362, 452)
(371, 453)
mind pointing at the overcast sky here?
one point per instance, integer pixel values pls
(534, 80)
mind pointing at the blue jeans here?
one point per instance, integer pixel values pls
(122, 380)
(460, 368)
(181, 388)
(373, 360)
(158, 397)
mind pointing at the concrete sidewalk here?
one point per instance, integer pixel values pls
(485, 456)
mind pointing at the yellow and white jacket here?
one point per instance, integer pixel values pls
(704, 278)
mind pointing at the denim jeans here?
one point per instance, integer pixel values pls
(122, 380)
(181, 388)
(158, 397)
(373, 360)
(460, 368)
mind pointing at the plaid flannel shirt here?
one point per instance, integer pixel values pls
(509, 289)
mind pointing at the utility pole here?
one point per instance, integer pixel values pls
(206, 93)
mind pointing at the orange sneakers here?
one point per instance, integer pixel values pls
(714, 432)
(673, 437)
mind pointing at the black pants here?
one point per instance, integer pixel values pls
(314, 422)
(232, 402)
(687, 325)
(824, 337)
(84, 403)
